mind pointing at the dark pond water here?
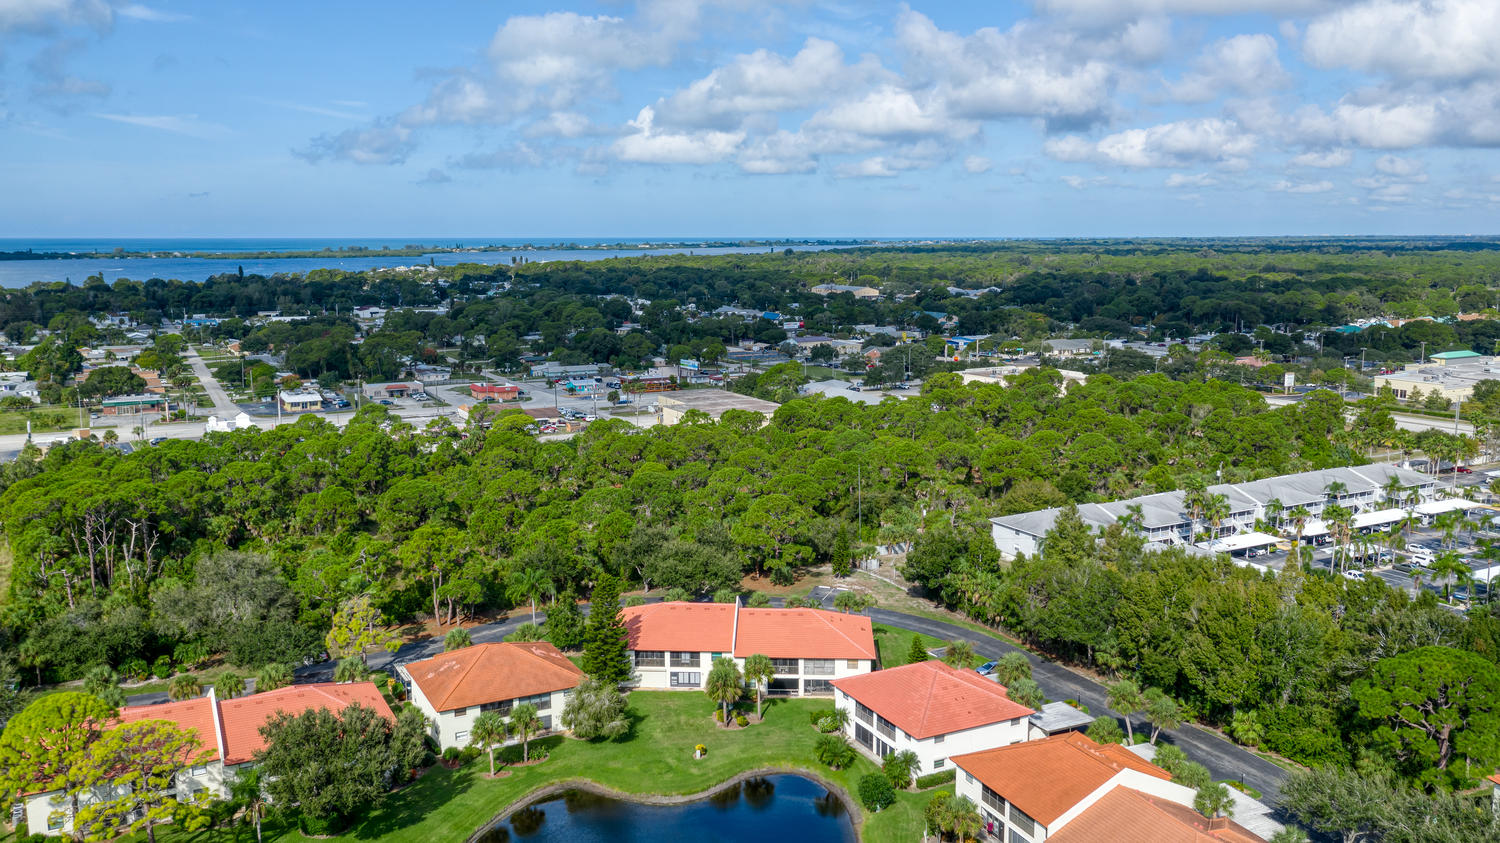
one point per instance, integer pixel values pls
(783, 809)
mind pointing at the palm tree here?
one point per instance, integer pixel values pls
(1450, 566)
(1334, 490)
(457, 639)
(899, 767)
(247, 790)
(487, 732)
(1126, 698)
(759, 670)
(524, 722)
(529, 584)
(1213, 800)
(111, 437)
(1162, 712)
(1340, 522)
(1448, 523)
(1215, 511)
(1299, 516)
(724, 685)
(1274, 509)
(1133, 519)
(351, 669)
(964, 820)
(229, 685)
(184, 686)
(959, 654)
(1393, 489)
(271, 677)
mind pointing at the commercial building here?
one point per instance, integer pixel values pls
(712, 402)
(1069, 789)
(1072, 348)
(494, 391)
(673, 645)
(401, 389)
(453, 688)
(1164, 518)
(931, 709)
(1002, 374)
(228, 732)
(300, 401)
(126, 405)
(1451, 374)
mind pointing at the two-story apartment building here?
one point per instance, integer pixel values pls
(453, 688)
(229, 731)
(673, 645)
(929, 708)
(1070, 789)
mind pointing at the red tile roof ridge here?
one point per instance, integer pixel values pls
(820, 614)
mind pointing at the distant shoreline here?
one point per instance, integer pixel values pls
(417, 251)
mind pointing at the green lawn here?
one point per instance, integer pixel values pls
(894, 644)
(656, 758)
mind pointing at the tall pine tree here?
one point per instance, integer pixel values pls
(605, 643)
(842, 554)
(564, 623)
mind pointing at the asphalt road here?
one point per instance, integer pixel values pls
(1223, 758)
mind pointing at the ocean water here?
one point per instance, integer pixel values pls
(21, 273)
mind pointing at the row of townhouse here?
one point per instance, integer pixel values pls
(1164, 518)
(229, 731)
(674, 645)
(452, 689)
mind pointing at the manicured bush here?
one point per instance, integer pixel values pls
(718, 715)
(740, 719)
(935, 779)
(875, 791)
(468, 753)
(451, 754)
(828, 724)
(816, 715)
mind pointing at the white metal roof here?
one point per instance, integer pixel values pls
(1441, 505)
(1243, 541)
(1381, 516)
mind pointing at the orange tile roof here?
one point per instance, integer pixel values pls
(1046, 778)
(242, 717)
(196, 714)
(930, 698)
(1495, 778)
(778, 633)
(683, 627)
(804, 634)
(486, 673)
(1126, 815)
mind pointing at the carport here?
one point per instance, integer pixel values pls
(1242, 545)
(1379, 518)
(1442, 505)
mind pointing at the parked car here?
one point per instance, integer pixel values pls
(157, 440)
(420, 396)
(590, 417)
(987, 668)
(1463, 469)
(387, 402)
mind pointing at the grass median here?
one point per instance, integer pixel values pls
(655, 758)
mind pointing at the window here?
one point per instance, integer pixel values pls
(992, 799)
(863, 736)
(853, 664)
(55, 820)
(198, 771)
(460, 737)
(863, 712)
(817, 686)
(546, 722)
(968, 777)
(502, 707)
(885, 727)
(1021, 821)
(686, 679)
(650, 658)
(817, 667)
(686, 659)
(1017, 837)
(785, 667)
(541, 702)
(937, 764)
(938, 738)
(460, 712)
(882, 749)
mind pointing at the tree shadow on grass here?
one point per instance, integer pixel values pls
(412, 803)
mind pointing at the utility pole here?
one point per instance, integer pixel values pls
(1422, 361)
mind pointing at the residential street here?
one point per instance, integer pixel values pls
(222, 406)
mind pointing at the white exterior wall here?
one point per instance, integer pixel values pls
(659, 678)
(934, 752)
(40, 807)
(967, 785)
(1011, 543)
(450, 728)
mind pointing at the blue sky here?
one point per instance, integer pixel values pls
(749, 118)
